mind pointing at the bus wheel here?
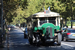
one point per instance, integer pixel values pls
(65, 39)
(37, 42)
(30, 40)
(59, 39)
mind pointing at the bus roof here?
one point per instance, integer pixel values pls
(42, 14)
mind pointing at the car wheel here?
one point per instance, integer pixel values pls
(25, 35)
(62, 39)
(65, 39)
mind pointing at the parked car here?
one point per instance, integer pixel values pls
(68, 34)
(23, 28)
(11, 26)
(25, 33)
(63, 29)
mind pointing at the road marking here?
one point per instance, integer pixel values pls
(67, 45)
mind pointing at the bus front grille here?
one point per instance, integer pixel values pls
(49, 32)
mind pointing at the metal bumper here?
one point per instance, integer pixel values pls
(50, 39)
(70, 38)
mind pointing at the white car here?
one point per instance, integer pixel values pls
(23, 28)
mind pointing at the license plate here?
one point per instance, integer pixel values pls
(73, 35)
(49, 39)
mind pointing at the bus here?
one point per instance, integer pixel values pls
(44, 27)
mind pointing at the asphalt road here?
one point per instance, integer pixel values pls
(16, 41)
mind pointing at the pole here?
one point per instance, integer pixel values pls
(1, 21)
(71, 16)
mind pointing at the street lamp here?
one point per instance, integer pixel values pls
(61, 21)
(71, 15)
(61, 18)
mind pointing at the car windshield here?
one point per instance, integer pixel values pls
(71, 31)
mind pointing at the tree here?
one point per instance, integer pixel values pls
(21, 9)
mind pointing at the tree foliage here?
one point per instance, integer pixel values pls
(18, 10)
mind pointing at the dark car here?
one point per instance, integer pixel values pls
(68, 34)
(25, 33)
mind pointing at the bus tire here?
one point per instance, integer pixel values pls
(59, 39)
(30, 40)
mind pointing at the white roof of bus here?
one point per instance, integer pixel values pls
(50, 14)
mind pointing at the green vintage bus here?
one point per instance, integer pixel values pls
(44, 27)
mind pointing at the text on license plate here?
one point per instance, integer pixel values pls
(73, 35)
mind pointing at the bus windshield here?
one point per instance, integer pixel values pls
(47, 20)
(43, 20)
(52, 20)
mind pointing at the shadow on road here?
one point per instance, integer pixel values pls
(42, 47)
(17, 42)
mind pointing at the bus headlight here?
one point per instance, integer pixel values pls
(55, 34)
(42, 34)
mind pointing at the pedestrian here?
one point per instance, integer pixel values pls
(25, 33)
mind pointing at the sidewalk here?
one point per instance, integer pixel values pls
(4, 47)
(7, 45)
(70, 26)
